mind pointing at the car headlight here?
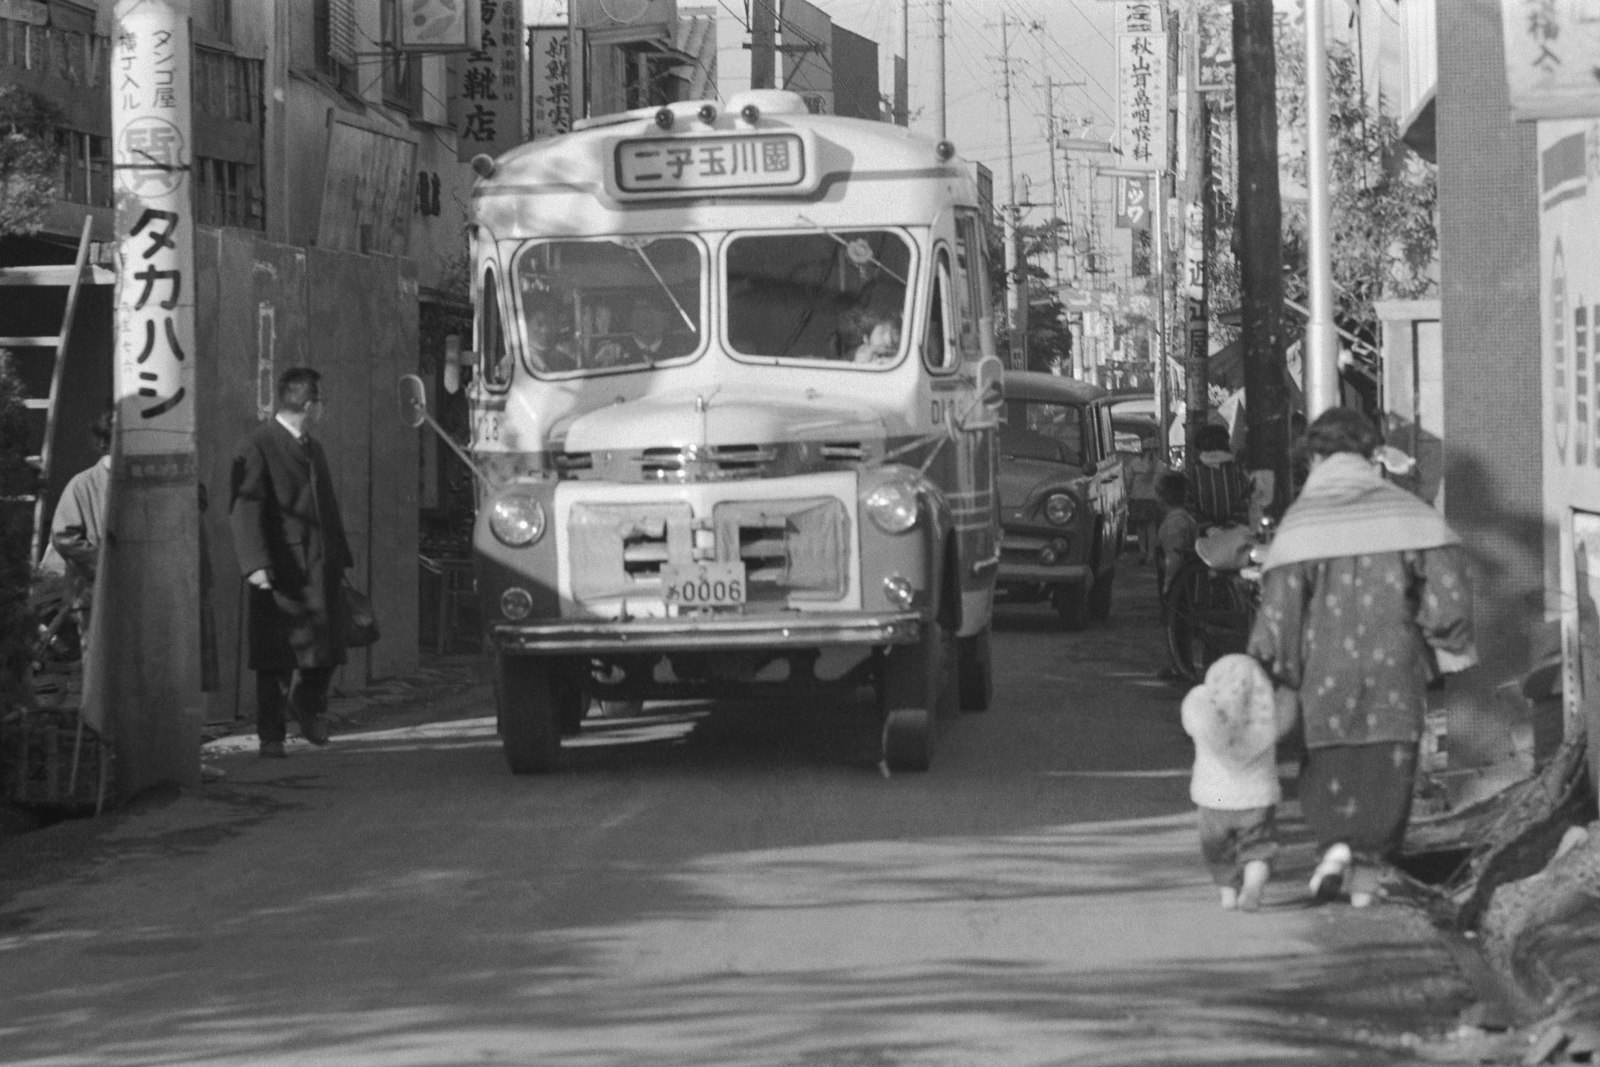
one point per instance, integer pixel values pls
(892, 506)
(516, 519)
(1059, 508)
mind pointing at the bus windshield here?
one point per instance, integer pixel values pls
(610, 303)
(834, 295)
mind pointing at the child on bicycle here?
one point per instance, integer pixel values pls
(1236, 721)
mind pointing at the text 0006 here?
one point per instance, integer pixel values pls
(703, 585)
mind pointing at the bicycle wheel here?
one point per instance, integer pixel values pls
(1208, 616)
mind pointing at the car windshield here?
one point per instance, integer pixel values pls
(832, 295)
(1043, 430)
(608, 304)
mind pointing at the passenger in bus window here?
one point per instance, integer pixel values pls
(546, 350)
(880, 340)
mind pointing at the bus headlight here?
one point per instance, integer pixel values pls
(1059, 508)
(516, 519)
(892, 506)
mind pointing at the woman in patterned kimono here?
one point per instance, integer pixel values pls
(1364, 603)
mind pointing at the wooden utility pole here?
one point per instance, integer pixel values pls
(1016, 295)
(142, 666)
(1260, 218)
(1199, 225)
(763, 43)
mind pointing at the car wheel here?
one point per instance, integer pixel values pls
(1072, 604)
(1100, 595)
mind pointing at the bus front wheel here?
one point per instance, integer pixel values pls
(532, 698)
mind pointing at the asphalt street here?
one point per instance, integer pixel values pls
(739, 888)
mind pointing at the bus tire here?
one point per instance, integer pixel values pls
(977, 671)
(528, 695)
(917, 687)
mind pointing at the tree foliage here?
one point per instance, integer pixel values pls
(28, 159)
(1383, 195)
(1384, 234)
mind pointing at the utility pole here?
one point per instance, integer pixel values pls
(1055, 199)
(1016, 329)
(763, 43)
(142, 668)
(938, 78)
(1260, 218)
(1197, 246)
(902, 99)
(1321, 364)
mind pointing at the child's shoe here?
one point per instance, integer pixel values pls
(1256, 873)
(1230, 898)
(1328, 878)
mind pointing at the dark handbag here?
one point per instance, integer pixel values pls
(358, 624)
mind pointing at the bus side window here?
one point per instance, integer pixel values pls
(495, 365)
(969, 280)
(938, 343)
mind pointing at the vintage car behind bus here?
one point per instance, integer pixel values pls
(734, 413)
(1063, 503)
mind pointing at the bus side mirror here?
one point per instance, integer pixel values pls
(413, 401)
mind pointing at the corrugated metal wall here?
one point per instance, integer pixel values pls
(261, 309)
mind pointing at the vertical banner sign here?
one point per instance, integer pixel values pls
(142, 678)
(1552, 54)
(1142, 84)
(486, 105)
(1133, 204)
(1214, 69)
(1569, 284)
(550, 80)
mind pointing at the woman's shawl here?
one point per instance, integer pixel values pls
(1347, 509)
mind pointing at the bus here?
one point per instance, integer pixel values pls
(734, 399)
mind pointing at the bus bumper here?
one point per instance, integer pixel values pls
(607, 636)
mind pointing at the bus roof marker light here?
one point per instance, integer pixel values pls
(708, 113)
(945, 150)
(483, 165)
(750, 113)
(664, 118)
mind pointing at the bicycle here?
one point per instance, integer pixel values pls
(1212, 600)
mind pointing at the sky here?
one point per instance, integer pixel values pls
(1065, 41)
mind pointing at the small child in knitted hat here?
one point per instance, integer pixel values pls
(1236, 721)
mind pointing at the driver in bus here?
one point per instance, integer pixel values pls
(880, 340)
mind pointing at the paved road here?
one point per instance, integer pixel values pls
(740, 890)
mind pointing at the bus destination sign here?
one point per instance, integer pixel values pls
(710, 164)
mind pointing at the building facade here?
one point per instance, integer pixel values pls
(331, 198)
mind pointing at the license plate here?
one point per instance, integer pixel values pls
(703, 585)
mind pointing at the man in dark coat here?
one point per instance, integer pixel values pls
(293, 553)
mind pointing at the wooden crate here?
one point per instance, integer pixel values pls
(49, 757)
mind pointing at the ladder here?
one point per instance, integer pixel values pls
(71, 278)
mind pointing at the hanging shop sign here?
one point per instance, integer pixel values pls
(1552, 53)
(1142, 89)
(486, 87)
(550, 80)
(437, 25)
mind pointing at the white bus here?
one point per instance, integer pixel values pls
(734, 408)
